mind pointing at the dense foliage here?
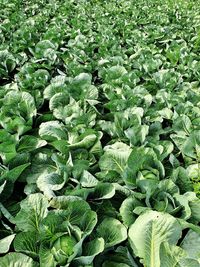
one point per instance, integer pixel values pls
(99, 133)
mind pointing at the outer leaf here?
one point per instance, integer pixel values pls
(149, 231)
(86, 141)
(46, 257)
(49, 182)
(17, 260)
(28, 143)
(189, 263)
(90, 250)
(52, 130)
(171, 255)
(88, 180)
(119, 257)
(11, 176)
(33, 210)
(103, 191)
(191, 244)
(27, 242)
(5, 243)
(114, 264)
(112, 231)
(127, 208)
(115, 157)
(64, 202)
(77, 212)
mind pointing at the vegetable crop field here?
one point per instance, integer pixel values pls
(100, 133)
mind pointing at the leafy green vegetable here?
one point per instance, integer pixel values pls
(149, 231)
(99, 133)
(63, 248)
(5, 243)
(17, 259)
